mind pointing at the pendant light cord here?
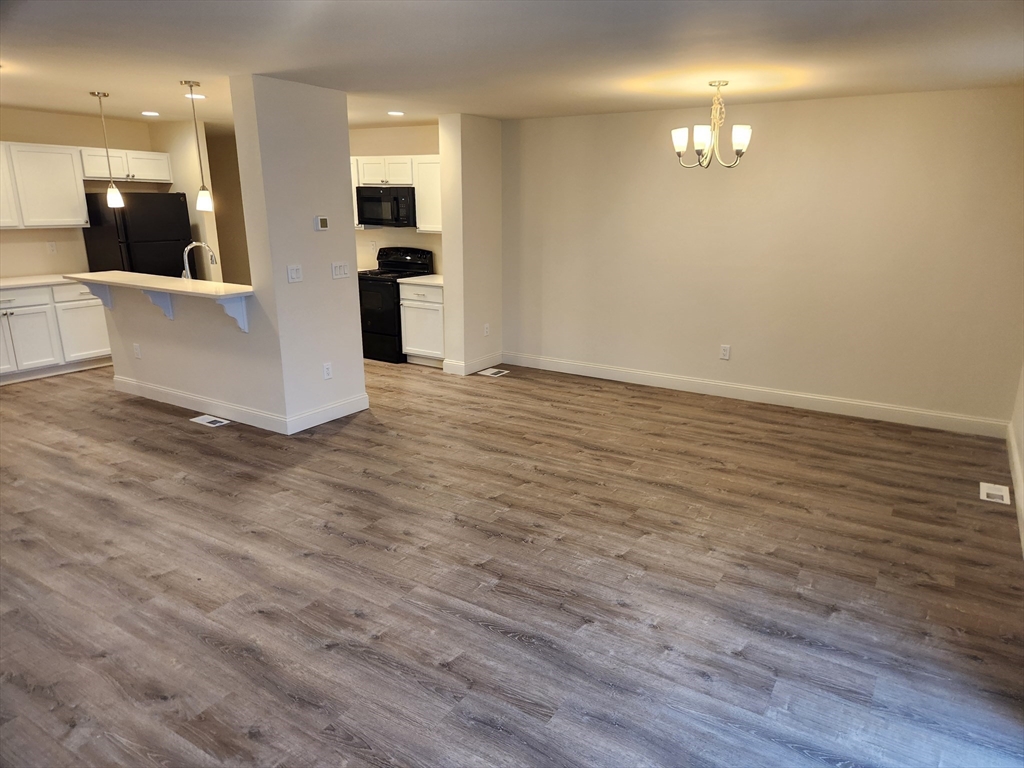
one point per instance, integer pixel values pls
(195, 124)
(106, 144)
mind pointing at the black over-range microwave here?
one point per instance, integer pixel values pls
(386, 206)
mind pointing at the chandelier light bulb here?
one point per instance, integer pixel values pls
(701, 138)
(680, 138)
(740, 138)
(204, 200)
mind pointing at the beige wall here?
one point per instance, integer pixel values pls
(471, 220)
(865, 257)
(35, 127)
(227, 207)
(178, 139)
(400, 140)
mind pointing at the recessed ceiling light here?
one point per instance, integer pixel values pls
(194, 96)
(396, 114)
(151, 114)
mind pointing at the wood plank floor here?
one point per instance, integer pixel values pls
(536, 570)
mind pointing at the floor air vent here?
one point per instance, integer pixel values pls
(210, 421)
(997, 493)
(492, 372)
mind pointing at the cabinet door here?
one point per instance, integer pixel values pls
(83, 329)
(372, 171)
(423, 329)
(48, 180)
(9, 216)
(7, 363)
(94, 163)
(398, 170)
(354, 164)
(149, 166)
(34, 337)
(426, 173)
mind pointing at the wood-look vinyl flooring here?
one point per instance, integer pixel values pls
(536, 570)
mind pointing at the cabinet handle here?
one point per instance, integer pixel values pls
(84, 293)
(5, 301)
(419, 294)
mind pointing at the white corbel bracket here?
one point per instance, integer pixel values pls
(234, 307)
(161, 299)
(101, 292)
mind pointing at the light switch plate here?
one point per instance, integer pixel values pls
(294, 273)
(339, 269)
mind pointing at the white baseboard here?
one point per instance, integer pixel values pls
(327, 413)
(273, 422)
(1017, 472)
(54, 370)
(460, 368)
(918, 417)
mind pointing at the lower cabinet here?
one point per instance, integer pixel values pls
(83, 329)
(35, 339)
(422, 321)
(43, 327)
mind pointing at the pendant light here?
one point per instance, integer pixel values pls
(114, 199)
(706, 140)
(204, 200)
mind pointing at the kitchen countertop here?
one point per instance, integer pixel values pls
(176, 285)
(32, 281)
(423, 280)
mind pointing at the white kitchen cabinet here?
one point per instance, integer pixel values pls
(422, 321)
(9, 214)
(7, 364)
(426, 175)
(34, 336)
(126, 165)
(94, 163)
(83, 329)
(396, 170)
(48, 183)
(354, 164)
(149, 166)
(50, 323)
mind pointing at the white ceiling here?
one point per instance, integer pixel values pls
(499, 58)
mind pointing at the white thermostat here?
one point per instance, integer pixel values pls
(320, 223)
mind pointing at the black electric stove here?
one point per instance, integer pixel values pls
(379, 303)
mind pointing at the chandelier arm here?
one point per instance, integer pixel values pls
(689, 166)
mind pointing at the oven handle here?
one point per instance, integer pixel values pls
(394, 210)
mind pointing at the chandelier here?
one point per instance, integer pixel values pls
(705, 137)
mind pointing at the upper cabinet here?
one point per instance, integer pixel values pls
(126, 164)
(9, 215)
(385, 170)
(426, 175)
(48, 185)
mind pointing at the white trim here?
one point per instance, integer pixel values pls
(1017, 473)
(54, 370)
(460, 368)
(318, 416)
(253, 417)
(918, 417)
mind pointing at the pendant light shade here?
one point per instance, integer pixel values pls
(204, 200)
(114, 199)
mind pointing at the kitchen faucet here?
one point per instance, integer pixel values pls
(196, 244)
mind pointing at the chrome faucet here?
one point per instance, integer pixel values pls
(187, 274)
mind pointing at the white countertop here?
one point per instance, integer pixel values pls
(32, 281)
(176, 285)
(423, 280)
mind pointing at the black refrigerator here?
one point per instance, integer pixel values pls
(148, 235)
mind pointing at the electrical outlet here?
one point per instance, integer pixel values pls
(294, 273)
(725, 351)
(51, 246)
(328, 373)
(487, 329)
(373, 247)
(339, 269)
(137, 350)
